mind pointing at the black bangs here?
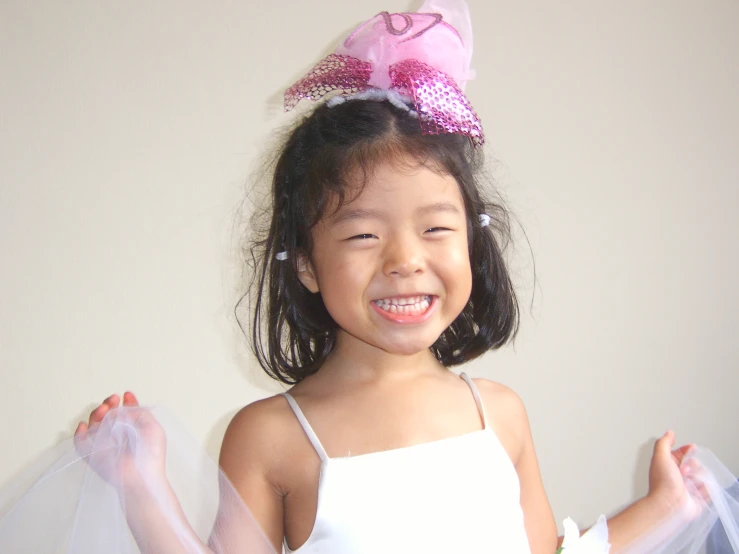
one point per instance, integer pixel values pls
(323, 164)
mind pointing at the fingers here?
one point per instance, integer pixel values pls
(690, 467)
(99, 413)
(679, 454)
(663, 445)
(80, 436)
(702, 492)
(666, 443)
(129, 399)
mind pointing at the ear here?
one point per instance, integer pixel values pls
(307, 274)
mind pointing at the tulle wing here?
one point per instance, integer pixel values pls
(136, 483)
(707, 523)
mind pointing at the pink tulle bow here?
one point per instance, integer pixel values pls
(421, 56)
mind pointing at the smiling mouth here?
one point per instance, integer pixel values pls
(409, 305)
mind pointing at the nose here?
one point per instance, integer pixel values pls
(403, 257)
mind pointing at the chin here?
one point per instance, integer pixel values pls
(407, 349)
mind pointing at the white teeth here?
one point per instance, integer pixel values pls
(405, 306)
(410, 300)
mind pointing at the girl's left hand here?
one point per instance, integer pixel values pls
(670, 474)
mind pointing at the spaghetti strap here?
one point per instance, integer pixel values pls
(478, 398)
(306, 427)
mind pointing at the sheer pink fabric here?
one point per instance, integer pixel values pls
(424, 56)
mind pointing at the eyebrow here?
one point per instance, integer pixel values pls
(355, 214)
(351, 215)
(439, 207)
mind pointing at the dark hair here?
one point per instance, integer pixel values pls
(292, 332)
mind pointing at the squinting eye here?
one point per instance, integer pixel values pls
(362, 237)
(437, 229)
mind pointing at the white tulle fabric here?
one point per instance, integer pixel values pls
(708, 522)
(110, 493)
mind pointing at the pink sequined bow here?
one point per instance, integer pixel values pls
(421, 56)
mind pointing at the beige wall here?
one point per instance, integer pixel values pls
(127, 130)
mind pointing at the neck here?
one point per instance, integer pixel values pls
(354, 360)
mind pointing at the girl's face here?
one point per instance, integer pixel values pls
(392, 265)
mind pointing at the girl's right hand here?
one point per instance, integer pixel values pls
(125, 446)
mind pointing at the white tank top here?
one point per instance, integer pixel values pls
(456, 495)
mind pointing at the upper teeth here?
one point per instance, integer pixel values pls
(401, 301)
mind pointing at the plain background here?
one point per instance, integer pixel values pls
(128, 133)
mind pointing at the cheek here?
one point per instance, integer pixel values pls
(341, 278)
(465, 279)
(343, 291)
(457, 259)
(458, 271)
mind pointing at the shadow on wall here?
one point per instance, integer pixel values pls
(641, 469)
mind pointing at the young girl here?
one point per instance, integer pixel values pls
(382, 268)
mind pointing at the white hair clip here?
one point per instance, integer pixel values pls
(281, 255)
(398, 100)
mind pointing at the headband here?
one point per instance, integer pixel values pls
(420, 58)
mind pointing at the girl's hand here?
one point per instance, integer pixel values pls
(671, 477)
(127, 449)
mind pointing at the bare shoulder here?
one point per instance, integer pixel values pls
(257, 437)
(259, 419)
(252, 457)
(499, 399)
(506, 413)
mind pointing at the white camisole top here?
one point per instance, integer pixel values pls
(452, 496)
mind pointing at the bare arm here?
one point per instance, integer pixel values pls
(667, 503)
(249, 458)
(512, 427)
(151, 508)
(538, 518)
(664, 505)
(158, 523)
